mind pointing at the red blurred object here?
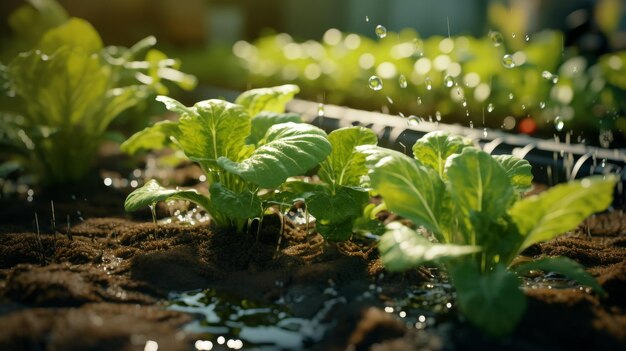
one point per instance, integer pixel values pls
(527, 126)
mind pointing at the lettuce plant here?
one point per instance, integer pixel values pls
(471, 203)
(58, 99)
(242, 147)
(339, 199)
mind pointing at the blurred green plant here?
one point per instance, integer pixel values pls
(517, 82)
(58, 98)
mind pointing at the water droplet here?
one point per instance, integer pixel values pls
(320, 110)
(527, 37)
(438, 116)
(448, 81)
(490, 107)
(464, 103)
(558, 123)
(542, 105)
(413, 120)
(496, 38)
(549, 76)
(511, 96)
(485, 133)
(389, 100)
(381, 31)
(507, 61)
(402, 81)
(375, 83)
(471, 124)
(419, 100)
(429, 83)
(523, 106)
(513, 35)
(367, 18)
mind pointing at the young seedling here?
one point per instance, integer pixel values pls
(242, 148)
(472, 203)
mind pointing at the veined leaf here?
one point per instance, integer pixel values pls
(434, 148)
(344, 165)
(151, 138)
(264, 120)
(267, 99)
(152, 192)
(409, 189)
(175, 106)
(76, 33)
(492, 301)
(542, 217)
(562, 265)
(518, 170)
(330, 208)
(402, 248)
(239, 206)
(213, 129)
(478, 183)
(288, 149)
(341, 231)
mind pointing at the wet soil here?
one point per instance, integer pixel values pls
(104, 284)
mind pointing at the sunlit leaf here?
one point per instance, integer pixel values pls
(151, 193)
(434, 148)
(518, 170)
(345, 165)
(272, 99)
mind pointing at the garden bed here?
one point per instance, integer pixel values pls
(115, 284)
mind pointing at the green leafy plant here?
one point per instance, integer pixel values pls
(471, 203)
(340, 198)
(224, 139)
(59, 98)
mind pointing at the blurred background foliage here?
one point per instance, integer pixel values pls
(531, 66)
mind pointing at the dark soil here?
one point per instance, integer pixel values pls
(104, 285)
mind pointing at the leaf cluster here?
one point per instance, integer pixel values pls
(472, 203)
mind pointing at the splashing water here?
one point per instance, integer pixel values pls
(402, 81)
(508, 61)
(380, 31)
(375, 83)
(496, 38)
(558, 123)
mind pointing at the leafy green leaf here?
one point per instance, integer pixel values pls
(344, 165)
(175, 106)
(434, 148)
(30, 22)
(267, 99)
(154, 137)
(542, 217)
(288, 149)
(478, 183)
(402, 248)
(239, 206)
(213, 129)
(408, 188)
(76, 33)
(518, 170)
(151, 193)
(336, 231)
(562, 265)
(264, 120)
(330, 208)
(492, 301)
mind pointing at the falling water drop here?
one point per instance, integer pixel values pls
(527, 37)
(413, 120)
(375, 83)
(429, 83)
(508, 61)
(558, 123)
(389, 100)
(542, 105)
(402, 81)
(464, 103)
(496, 38)
(367, 18)
(381, 31)
(513, 35)
(419, 100)
(490, 107)
(320, 110)
(448, 81)
(511, 96)
(471, 124)
(485, 133)
(549, 76)
(438, 116)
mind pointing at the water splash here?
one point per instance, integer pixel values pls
(402, 81)
(508, 61)
(375, 83)
(380, 31)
